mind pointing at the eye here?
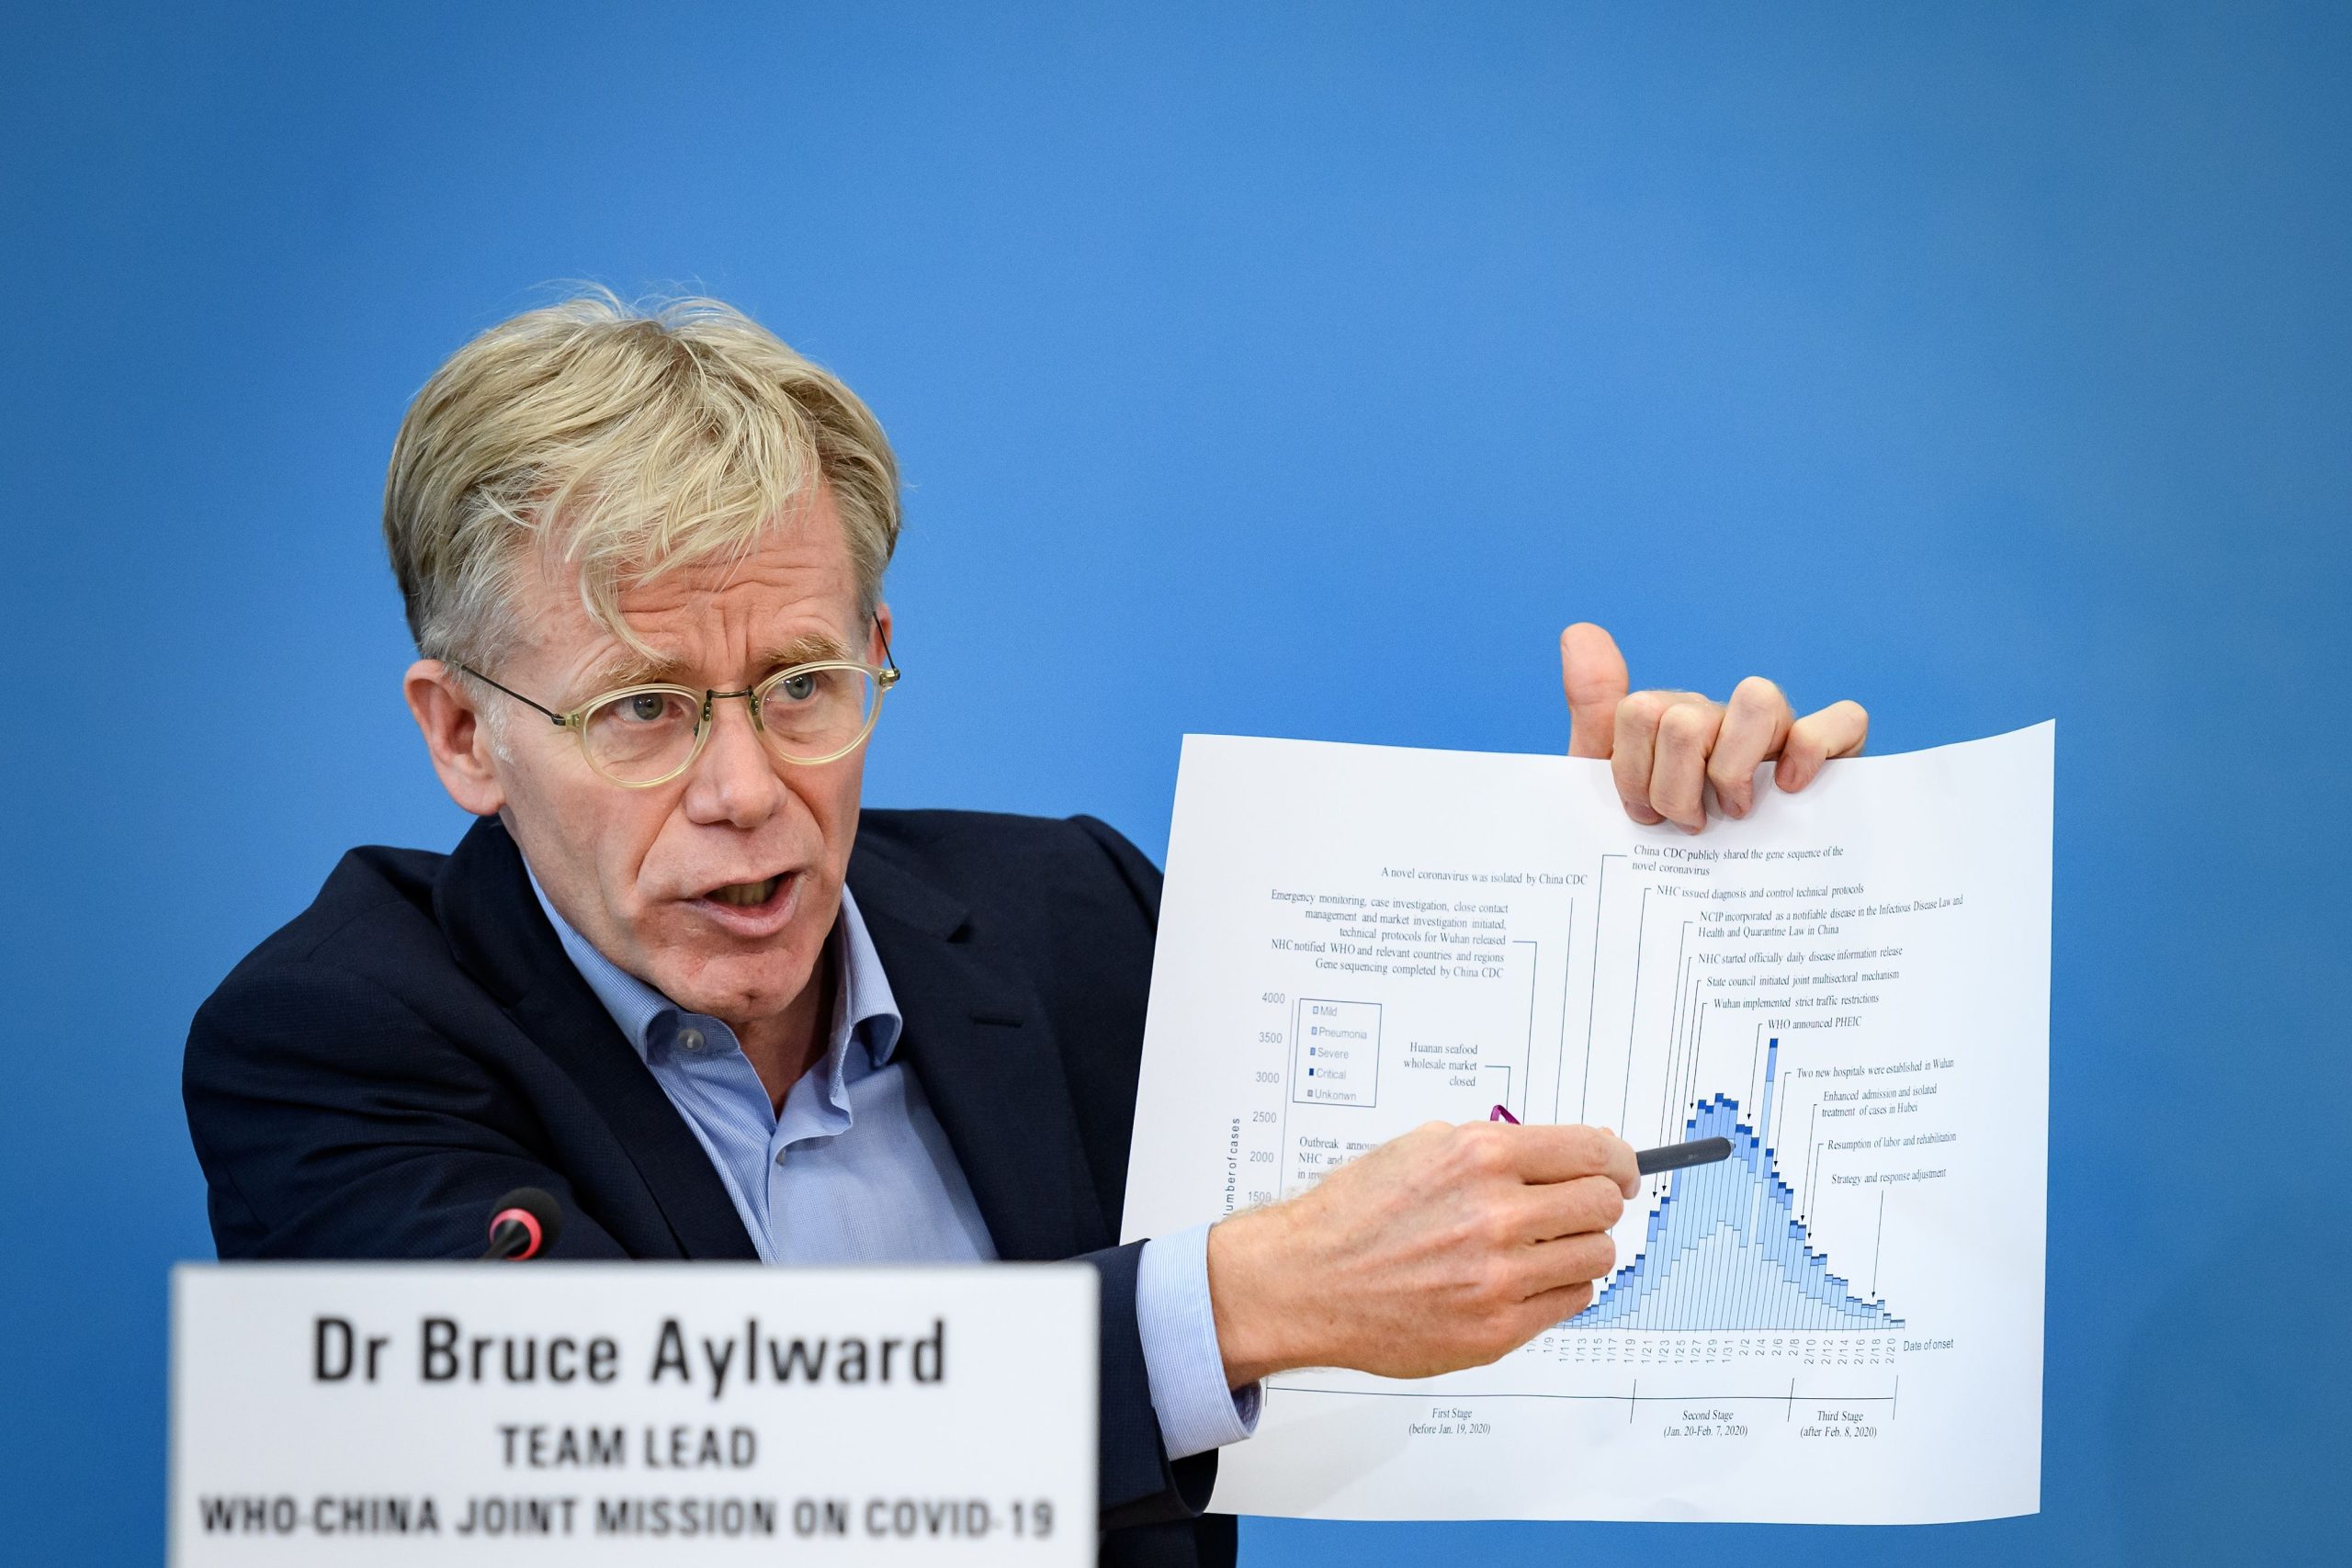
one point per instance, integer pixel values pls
(797, 688)
(646, 707)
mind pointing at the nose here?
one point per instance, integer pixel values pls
(734, 781)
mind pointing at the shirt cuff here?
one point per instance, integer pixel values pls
(1180, 1357)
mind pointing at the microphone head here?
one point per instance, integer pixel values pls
(536, 1212)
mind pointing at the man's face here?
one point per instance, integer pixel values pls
(719, 888)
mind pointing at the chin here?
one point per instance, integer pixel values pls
(734, 989)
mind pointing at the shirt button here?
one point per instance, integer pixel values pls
(690, 1040)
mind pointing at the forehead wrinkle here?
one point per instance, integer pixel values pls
(627, 669)
(716, 602)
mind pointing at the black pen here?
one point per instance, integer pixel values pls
(1650, 1162)
(1674, 1156)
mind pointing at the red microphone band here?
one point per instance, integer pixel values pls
(528, 1220)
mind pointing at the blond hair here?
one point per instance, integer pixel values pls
(624, 441)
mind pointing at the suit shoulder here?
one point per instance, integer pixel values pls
(1045, 879)
(971, 852)
(372, 915)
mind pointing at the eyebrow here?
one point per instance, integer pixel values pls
(632, 670)
(814, 647)
(627, 670)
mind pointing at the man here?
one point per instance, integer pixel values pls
(673, 976)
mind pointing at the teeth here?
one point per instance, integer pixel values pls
(744, 895)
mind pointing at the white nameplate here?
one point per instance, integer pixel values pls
(609, 1413)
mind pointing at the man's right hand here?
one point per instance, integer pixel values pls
(1447, 1248)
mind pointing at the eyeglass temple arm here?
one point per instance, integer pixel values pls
(888, 659)
(553, 717)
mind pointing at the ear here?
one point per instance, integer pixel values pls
(879, 652)
(456, 735)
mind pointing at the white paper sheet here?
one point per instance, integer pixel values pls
(1842, 1324)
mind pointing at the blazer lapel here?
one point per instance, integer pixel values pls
(502, 937)
(978, 1040)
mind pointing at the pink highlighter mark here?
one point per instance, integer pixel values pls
(1499, 1114)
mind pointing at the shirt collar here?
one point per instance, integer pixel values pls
(863, 1007)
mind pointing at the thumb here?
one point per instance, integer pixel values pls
(1592, 673)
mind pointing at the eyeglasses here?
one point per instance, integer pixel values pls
(641, 736)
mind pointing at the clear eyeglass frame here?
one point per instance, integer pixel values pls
(883, 676)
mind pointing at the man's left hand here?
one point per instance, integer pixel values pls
(1666, 748)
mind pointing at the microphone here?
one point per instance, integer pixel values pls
(525, 1224)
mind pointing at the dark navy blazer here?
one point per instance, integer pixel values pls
(415, 1043)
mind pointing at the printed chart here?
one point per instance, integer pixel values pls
(1842, 1321)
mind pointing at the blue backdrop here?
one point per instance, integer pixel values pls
(1269, 370)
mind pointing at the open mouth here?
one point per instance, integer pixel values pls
(747, 894)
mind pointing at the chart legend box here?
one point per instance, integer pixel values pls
(1336, 1048)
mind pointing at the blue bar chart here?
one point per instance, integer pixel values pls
(1724, 1249)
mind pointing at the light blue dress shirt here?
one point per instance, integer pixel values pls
(856, 1169)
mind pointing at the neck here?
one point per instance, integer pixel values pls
(783, 1046)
